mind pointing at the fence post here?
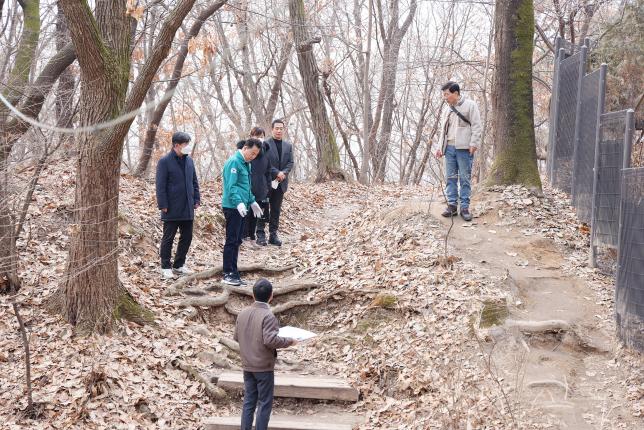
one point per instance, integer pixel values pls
(601, 101)
(575, 140)
(561, 53)
(626, 163)
(553, 103)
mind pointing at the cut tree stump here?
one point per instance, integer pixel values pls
(280, 423)
(299, 386)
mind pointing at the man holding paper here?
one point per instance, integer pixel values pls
(257, 333)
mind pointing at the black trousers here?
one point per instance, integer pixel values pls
(169, 232)
(234, 231)
(250, 222)
(275, 199)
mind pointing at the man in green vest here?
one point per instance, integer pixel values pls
(237, 198)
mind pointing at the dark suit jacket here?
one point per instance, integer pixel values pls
(177, 191)
(286, 164)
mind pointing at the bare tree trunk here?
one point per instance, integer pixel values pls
(514, 138)
(392, 38)
(66, 81)
(327, 148)
(157, 116)
(16, 85)
(338, 124)
(91, 295)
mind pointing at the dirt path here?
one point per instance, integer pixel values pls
(570, 381)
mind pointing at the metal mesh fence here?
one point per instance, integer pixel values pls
(610, 158)
(629, 290)
(584, 151)
(563, 148)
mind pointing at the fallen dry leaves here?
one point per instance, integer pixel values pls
(395, 320)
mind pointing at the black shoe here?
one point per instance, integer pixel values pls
(231, 279)
(466, 215)
(450, 211)
(261, 238)
(274, 240)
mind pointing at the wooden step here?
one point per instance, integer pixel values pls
(279, 423)
(299, 386)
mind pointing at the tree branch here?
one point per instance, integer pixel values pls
(544, 37)
(159, 53)
(86, 37)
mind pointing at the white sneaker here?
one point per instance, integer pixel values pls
(167, 274)
(183, 270)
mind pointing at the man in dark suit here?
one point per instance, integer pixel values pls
(280, 154)
(178, 196)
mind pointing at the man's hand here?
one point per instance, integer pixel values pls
(473, 150)
(257, 211)
(281, 176)
(197, 205)
(164, 210)
(241, 208)
(294, 341)
(439, 153)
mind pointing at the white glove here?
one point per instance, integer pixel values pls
(241, 208)
(257, 211)
(275, 183)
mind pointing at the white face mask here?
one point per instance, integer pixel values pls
(186, 150)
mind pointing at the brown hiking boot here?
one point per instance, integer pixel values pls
(466, 215)
(450, 211)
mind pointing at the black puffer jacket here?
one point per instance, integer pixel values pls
(260, 171)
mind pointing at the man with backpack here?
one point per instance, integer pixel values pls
(460, 138)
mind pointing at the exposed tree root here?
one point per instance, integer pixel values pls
(127, 308)
(195, 292)
(214, 392)
(183, 282)
(209, 301)
(229, 343)
(294, 303)
(279, 308)
(278, 289)
(539, 326)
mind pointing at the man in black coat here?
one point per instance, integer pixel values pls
(280, 154)
(177, 190)
(260, 176)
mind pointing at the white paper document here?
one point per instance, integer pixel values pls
(296, 333)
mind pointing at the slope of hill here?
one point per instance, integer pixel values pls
(419, 323)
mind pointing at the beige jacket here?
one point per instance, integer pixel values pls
(257, 333)
(466, 135)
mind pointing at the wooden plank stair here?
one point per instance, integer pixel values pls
(299, 386)
(279, 423)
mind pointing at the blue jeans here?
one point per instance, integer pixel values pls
(258, 392)
(234, 230)
(458, 168)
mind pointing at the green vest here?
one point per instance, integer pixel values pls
(237, 187)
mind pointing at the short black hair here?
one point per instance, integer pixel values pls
(180, 137)
(452, 86)
(240, 144)
(277, 121)
(262, 290)
(252, 142)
